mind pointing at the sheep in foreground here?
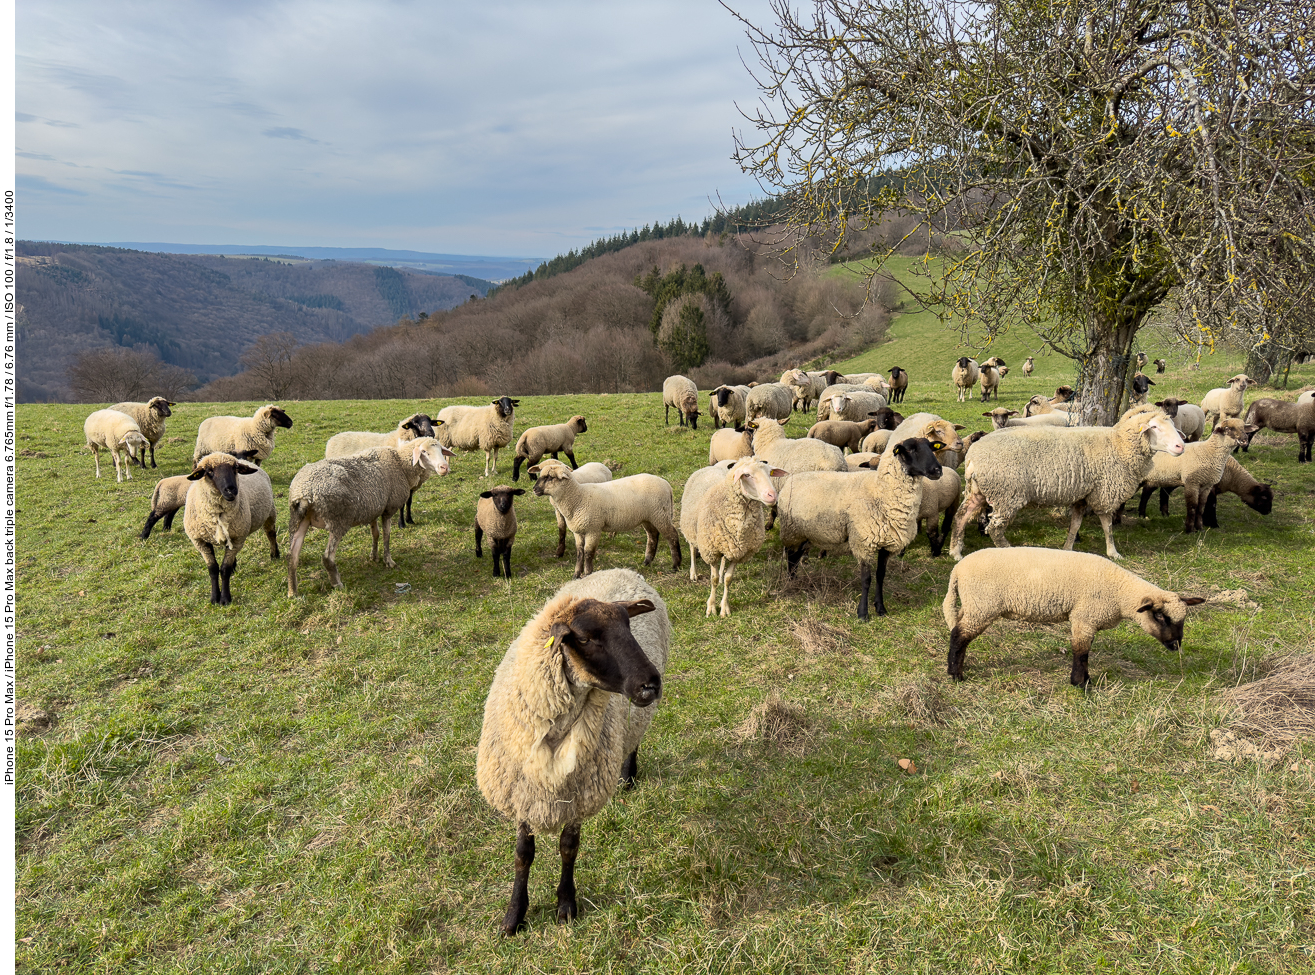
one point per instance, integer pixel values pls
(1225, 400)
(1141, 385)
(875, 513)
(1283, 417)
(1042, 585)
(170, 495)
(1187, 417)
(487, 428)
(729, 408)
(1085, 468)
(613, 506)
(965, 374)
(565, 716)
(728, 523)
(340, 493)
(730, 444)
(237, 434)
(111, 430)
(591, 473)
(554, 439)
(899, 384)
(408, 428)
(1197, 469)
(228, 500)
(842, 433)
(495, 517)
(150, 417)
(772, 445)
(769, 399)
(1236, 479)
(683, 394)
(696, 486)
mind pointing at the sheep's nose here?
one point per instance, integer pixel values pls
(648, 693)
(1174, 645)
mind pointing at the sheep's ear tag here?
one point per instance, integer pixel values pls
(899, 450)
(438, 423)
(558, 631)
(937, 445)
(196, 475)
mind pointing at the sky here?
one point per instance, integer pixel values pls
(498, 128)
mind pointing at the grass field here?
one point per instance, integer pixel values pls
(288, 785)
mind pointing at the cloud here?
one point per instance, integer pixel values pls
(24, 117)
(288, 133)
(39, 184)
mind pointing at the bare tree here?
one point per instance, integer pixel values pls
(1095, 157)
(113, 375)
(269, 362)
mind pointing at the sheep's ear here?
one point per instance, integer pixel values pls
(637, 607)
(518, 491)
(170, 404)
(1191, 600)
(777, 472)
(1151, 381)
(557, 634)
(197, 474)
(990, 414)
(898, 451)
(533, 470)
(486, 494)
(1147, 605)
(960, 426)
(416, 453)
(437, 422)
(243, 468)
(446, 451)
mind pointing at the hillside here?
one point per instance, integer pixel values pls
(199, 312)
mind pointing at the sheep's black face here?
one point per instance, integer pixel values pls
(603, 652)
(502, 497)
(723, 396)
(421, 425)
(280, 418)
(584, 427)
(963, 362)
(918, 456)
(162, 407)
(224, 478)
(1163, 618)
(1261, 499)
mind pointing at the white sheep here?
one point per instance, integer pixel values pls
(565, 716)
(965, 374)
(771, 400)
(1085, 468)
(236, 434)
(1002, 417)
(170, 496)
(150, 417)
(495, 517)
(1226, 400)
(1062, 400)
(1042, 585)
(223, 508)
(591, 473)
(1187, 417)
(875, 442)
(729, 444)
(1198, 468)
(552, 439)
(683, 394)
(859, 461)
(842, 433)
(989, 377)
(362, 489)
(929, 426)
(487, 428)
(408, 428)
(855, 406)
(728, 523)
(1028, 366)
(111, 430)
(772, 445)
(696, 486)
(613, 506)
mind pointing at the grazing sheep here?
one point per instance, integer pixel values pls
(728, 522)
(565, 716)
(235, 434)
(555, 439)
(855, 406)
(1042, 585)
(683, 394)
(223, 508)
(409, 428)
(772, 445)
(1085, 468)
(111, 430)
(487, 428)
(842, 433)
(1188, 418)
(1141, 385)
(729, 408)
(1160, 365)
(495, 516)
(1028, 366)
(170, 495)
(965, 374)
(1236, 479)
(614, 506)
(899, 384)
(1002, 417)
(875, 513)
(1226, 400)
(730, 444)
(769, 399)
(150, 417)
(340, 493)
(591, 473)
(1282, 417)
(1197, 469)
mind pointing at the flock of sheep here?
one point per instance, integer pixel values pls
(576, 690)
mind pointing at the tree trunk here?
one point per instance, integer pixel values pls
(1105, 371)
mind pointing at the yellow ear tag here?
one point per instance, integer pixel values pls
(548, 645)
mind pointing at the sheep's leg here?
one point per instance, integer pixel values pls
(944, 533)
(516, 467)
(152, 456)
(169, 519)
(479, 550)
(630, 770)
(1164, 501)
(225, 575)
(1192, 520)
(212, 566)
(118, 475)
(561, 536)
(675, 547)
(1082, 637)
(1209, 513)
(728, 570)
(1305, 442)
(374, 534)
(713, 573)
(329, 564)
(693, 562)
(520, 893)
(1146, 493)
(960, 637)
(570, 455)
(1000, 519)
(96, 453)
(666, 417)
(793, 557)
(569, 845)
(650, 546)
(387, 519)
(272, 533)
(151, 519)
(298, 536)
(967, 511)
(1107, 526)
(1075, 516)
(506, 559)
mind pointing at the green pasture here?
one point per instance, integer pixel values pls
(287, 785)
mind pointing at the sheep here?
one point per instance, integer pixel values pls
(1140, 387)
(487, 428)
(1236, 480)
(111, 430)
(855, 406)
(728, 522)
(772, 445)
(1187, 418)
(1087, 468)
(899, 384)
(1160, 365)
(859, 461)
(613, 506)
(1028, 366)
(591, 473)
(495, 517)
(769, 399)
(875, 513)
(1002, 417)
(340, 493)
(683, 394)
(807, 386)
(408, 429)
(223, 508)
(842, 433)
(875, 442)
(1004, 371)
(696, 486)
(1306, 396)
(1062, 400)
(729, 408)
(1226, 400)
(931, 427)
(1282, 417)
(1042, 585)
(565, 715)
(170, 495)
(150, 417)
(730, 444)
(234, 434)
(965, 374)
(1142, 359)
(941, 494)
(989, 375)
(555, 439)
(1197, 469)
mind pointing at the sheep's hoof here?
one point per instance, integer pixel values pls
(566, 911)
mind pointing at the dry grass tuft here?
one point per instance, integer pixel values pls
(816, 638)
(921, 702)
(817, 583)
(774, 721)
(1275, 710)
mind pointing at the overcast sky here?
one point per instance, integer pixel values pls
(501, 128)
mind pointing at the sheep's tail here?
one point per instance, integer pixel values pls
(948, 607)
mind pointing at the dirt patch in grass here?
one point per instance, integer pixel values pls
(778, 723)
(1272, 712)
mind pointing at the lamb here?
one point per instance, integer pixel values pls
(1188, 418)
(1028, 366)
(1142, 359)
(223, 508)
(150, 417)
(965, 374)
(555, 439)
(875, 513)
(591, 473)
(1237, 480)
(729, 409)
(941, 494)
(855, 406)
(772, 445)
(235, 434)
(495, 517)
(170, 495)
(408, 428)
(340, 493)
(620, 505)
(1140, 387)
(728, 522)
(680, 392)
(1002, 417)
(1226, 400)
(1282, 417)
(1087, 468)
(111, 430)
(859, 461)
(989, 375)
(771, 400)
(565, 716)
(730, 444)
(1160, 365)
(842, 433)
(899, 384)
(1041, 585)
(487, 428)
(1197, 469)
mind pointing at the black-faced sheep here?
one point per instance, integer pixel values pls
(495, 517)
(150, 417)
(237, 434)
(965, 374)
(554, 439)
(487, 428)
(408, 428)
(899, 384)
(222, 510)
(1284, 417)
(170, 495)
